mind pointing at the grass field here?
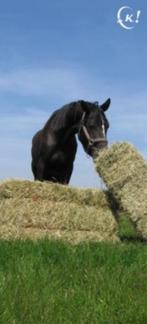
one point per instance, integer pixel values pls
(54, 282)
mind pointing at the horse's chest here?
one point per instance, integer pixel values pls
(59, 157)
(63, 156)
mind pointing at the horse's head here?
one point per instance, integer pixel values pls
(93, 126)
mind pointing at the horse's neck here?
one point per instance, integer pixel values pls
(74, 116)
(65, 122)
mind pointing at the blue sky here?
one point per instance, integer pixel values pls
(53, 52)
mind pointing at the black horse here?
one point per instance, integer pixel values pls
(54, 146)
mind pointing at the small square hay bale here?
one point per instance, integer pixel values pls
(37, 209)
(124, 172)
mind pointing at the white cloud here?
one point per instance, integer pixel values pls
(22, 122)
(60, 82)
(128, 120)
(134, 123)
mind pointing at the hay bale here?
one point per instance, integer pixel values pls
(37, 209)
(124, 172)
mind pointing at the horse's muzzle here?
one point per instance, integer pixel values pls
(102, 143)
(96, 146)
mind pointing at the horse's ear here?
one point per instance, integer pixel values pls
(106, 104)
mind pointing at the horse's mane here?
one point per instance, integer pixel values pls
(59, 117)
(66, 115)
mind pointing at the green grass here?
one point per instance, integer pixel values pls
(53, 282)
(127, 229)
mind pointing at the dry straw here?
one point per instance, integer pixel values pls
(38, 209)
(124, 172)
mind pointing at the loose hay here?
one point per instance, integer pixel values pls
(124, 172)
(37, 209)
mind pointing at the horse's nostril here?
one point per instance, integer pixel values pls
(101, 145)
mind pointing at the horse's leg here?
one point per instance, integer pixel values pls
(40, 170)
(68, 174)
(34, 169)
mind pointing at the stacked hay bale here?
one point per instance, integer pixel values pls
(38, 209)
(124, 172)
